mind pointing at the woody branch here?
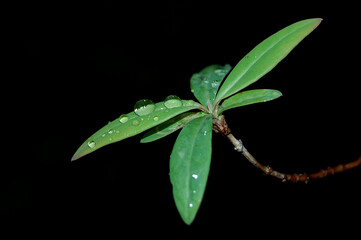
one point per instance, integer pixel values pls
(220, 126)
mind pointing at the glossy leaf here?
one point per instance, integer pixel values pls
(205, 84)
(265, 56)
(170, 126)
(189, 166)
(128, 125)
(249, 97)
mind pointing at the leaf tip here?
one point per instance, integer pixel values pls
(75, 157)
(316, 21)
(277, 93)
(144, 140)
(79, 153)
(187, 218)
(319, 20)
(188, 221)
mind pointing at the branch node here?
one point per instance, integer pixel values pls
(239, 146)
(268, 170)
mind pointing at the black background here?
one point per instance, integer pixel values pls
(88, 62)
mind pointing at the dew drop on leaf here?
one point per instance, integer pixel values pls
(135, 122)
(220, 72)
(188, 103)
(91, 144)
(172, 101)
(156, 118)
(144, 107)
(123, 118)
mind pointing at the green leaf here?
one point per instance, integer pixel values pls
(189, 166)
(128, 125)
(249, 97)
(170, 126)
(205, 84)
(265, 56)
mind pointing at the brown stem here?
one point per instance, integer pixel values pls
(303, 177)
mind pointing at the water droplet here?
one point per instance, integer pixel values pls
(215, 84)
(195, 176)
(144, 107)
(188, 103)
(194, 191)
(135, 122)
(123, 118)
(190, 205)
(103, 135)
(156, 118)
(172, 101)
(205, 133)
(91, 144)
(110, 131)
(220, 72)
